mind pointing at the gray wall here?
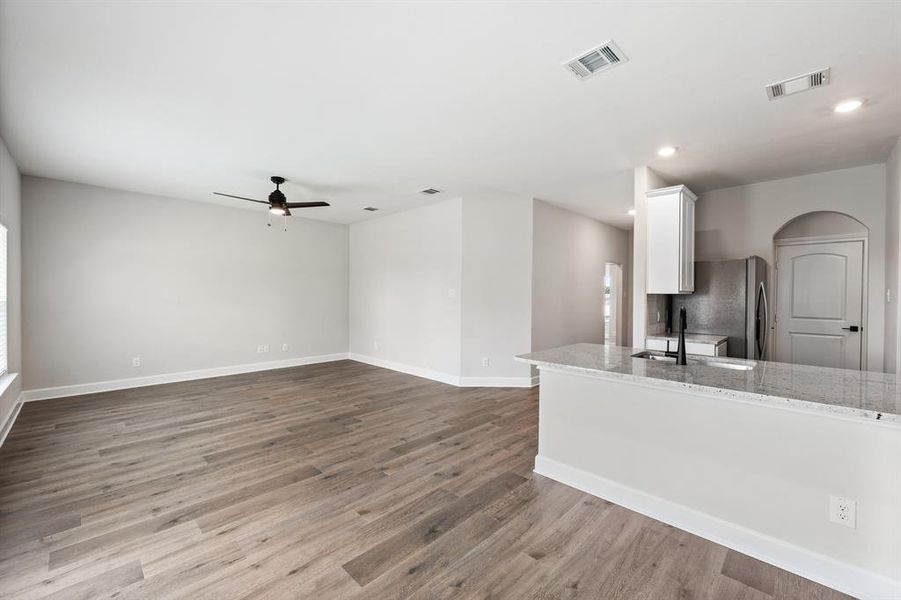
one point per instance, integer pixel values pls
(570, 252)
(892, 262)
(10, 216)
(739, 221)
(497, 282)
(406, 278)
(184, 285)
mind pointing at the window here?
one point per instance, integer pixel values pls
(3, 355)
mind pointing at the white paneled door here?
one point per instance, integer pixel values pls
(819, 305)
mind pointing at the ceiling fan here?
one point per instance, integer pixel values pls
(278, 204)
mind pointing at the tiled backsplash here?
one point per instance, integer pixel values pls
(656, 305)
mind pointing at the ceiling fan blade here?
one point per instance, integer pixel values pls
(306, 204)
(240, 198)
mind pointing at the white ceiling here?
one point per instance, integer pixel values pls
(364, 103)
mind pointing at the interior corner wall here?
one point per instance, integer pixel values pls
(892, 345)
(740, 221)
(11, 217)
(405, 290)
(570, 252)
(186, 286)
(496, 288)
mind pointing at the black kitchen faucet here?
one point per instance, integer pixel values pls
(681, 359)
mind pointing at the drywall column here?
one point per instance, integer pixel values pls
(892, 343)
(645, 179)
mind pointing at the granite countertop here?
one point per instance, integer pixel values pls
(863, 394)
(695, 338)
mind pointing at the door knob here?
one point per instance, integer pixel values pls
(852, 328)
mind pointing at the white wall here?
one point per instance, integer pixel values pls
(570, 252)
(739, 221)
(10, 216)
(892, 262)
(405, 291)
(110, 275)
(750, 476)
(496, 287)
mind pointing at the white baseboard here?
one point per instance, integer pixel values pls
(81, 389)
(11, 418)
(456, 380)
(510, 382)
(408, 369)
(806, 563)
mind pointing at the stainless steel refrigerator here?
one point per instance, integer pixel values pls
(730, 298)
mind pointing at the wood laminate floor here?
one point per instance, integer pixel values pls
(338, 480)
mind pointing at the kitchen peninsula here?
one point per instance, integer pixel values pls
(751, 455)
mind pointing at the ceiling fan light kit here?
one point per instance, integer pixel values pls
(278, 203)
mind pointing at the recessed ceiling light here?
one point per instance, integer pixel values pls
(666, 151)
(631, 212)
(848, 106)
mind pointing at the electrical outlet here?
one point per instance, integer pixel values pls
(136, 361)
(843, 511)
(486, 362)
(265, 348)
(262, 348)
(284, 347)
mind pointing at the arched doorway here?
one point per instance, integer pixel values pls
(821, 290)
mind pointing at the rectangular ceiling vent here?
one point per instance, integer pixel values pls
(430, 191)
(606, 56)
(798, 84)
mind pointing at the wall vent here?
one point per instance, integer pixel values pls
(371, 208)
(430, 191)
(606, 56)
(798, 84)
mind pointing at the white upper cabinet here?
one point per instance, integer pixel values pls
(671, 240)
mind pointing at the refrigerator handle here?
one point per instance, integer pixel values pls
(761, 341)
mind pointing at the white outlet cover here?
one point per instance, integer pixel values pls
(843, 511)
(284, 347)
(136, 361)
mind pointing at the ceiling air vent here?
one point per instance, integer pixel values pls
(798, 84)
(371, 208)
(430, 191)
(606, 56)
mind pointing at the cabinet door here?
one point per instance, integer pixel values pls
(700, 349)
(687, 246)
(653, 344)
(664, 244)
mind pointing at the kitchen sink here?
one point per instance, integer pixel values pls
(696, 360)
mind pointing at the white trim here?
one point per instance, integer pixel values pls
(408, 369)
(512, 382)
(134, 382)
(535, 380)
(812, 565)
(11, 418)
(6, 380)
